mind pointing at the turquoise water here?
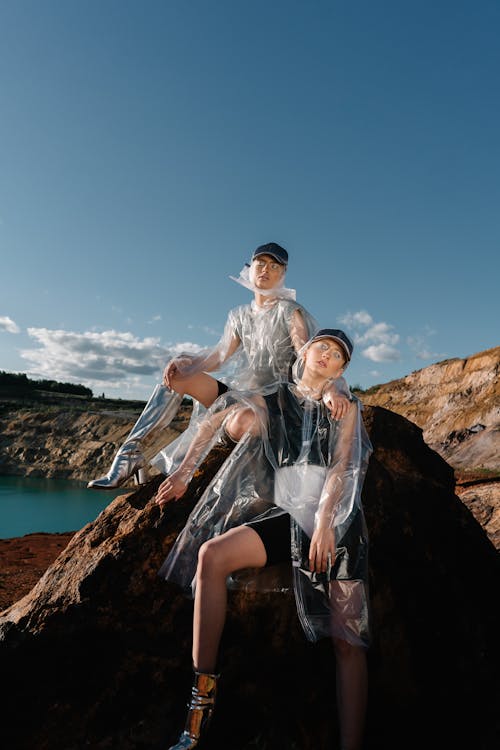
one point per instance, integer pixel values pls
(29, 505)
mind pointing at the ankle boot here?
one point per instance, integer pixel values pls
(131, 459)
(200, 710)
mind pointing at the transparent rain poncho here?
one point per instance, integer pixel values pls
(294, 459)
(260, 341)
(258, 347)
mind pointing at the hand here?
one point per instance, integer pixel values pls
(322, 550)
(169, 373)
(337, 405)
(174, 369)
(173, 488)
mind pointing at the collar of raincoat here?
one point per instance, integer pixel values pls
(277, 292)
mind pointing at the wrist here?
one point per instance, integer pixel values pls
(323, 522)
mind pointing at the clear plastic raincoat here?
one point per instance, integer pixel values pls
(258, 347)
(292, 459)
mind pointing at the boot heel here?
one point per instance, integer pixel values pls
(141, 476)
(200, 710)
(157, 414)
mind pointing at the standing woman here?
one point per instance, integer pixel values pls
(289, 492)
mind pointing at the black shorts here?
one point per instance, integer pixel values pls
(221, 387)
(275, 535)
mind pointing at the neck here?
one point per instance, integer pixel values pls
(261, 300)
(314, 385)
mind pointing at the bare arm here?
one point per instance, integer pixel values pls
(298, 331)
(219, 356)
(175, 485)
(336, 399)
(245, 416)
(322, 549)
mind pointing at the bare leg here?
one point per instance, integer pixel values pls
(242, 420)
(141, 444)
(202, 387)
(347, 601)
(238, 548)
(352, 682)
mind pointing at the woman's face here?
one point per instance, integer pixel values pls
(266, 272)
(325, 357)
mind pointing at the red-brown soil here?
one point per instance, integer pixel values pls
(23, 561)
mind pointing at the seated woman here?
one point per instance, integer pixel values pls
(258, 347)
(288, 493)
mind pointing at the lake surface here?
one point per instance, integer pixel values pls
(52, 505)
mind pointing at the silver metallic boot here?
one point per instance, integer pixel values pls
(131, 459)
(200, 710)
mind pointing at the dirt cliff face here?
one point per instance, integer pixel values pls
(457, 405)
(67, 444)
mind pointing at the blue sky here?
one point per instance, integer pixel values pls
(146, 148)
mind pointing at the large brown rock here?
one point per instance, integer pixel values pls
(98, 653)
(457, 404)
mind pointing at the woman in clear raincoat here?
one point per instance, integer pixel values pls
(290, 492)
(258, 347)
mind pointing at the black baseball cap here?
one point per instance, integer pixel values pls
(337, 335)
(277, 252)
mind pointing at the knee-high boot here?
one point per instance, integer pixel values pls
(200, 710)
(132, 456)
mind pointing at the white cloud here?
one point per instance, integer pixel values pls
(381, 353)
(113, 359)
(380, 333)
(7, 324)
(154, 319)
(360, 318)
(206, 329)
(184, 346)
(379, 339)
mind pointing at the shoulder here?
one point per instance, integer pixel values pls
(294, 314)
(238, 313)
(299, 316)
(288, 308)
(239, 309)
(289, 305)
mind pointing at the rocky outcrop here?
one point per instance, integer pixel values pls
(483, 500)
(99, 650)
(457, 405)
(68, 444)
